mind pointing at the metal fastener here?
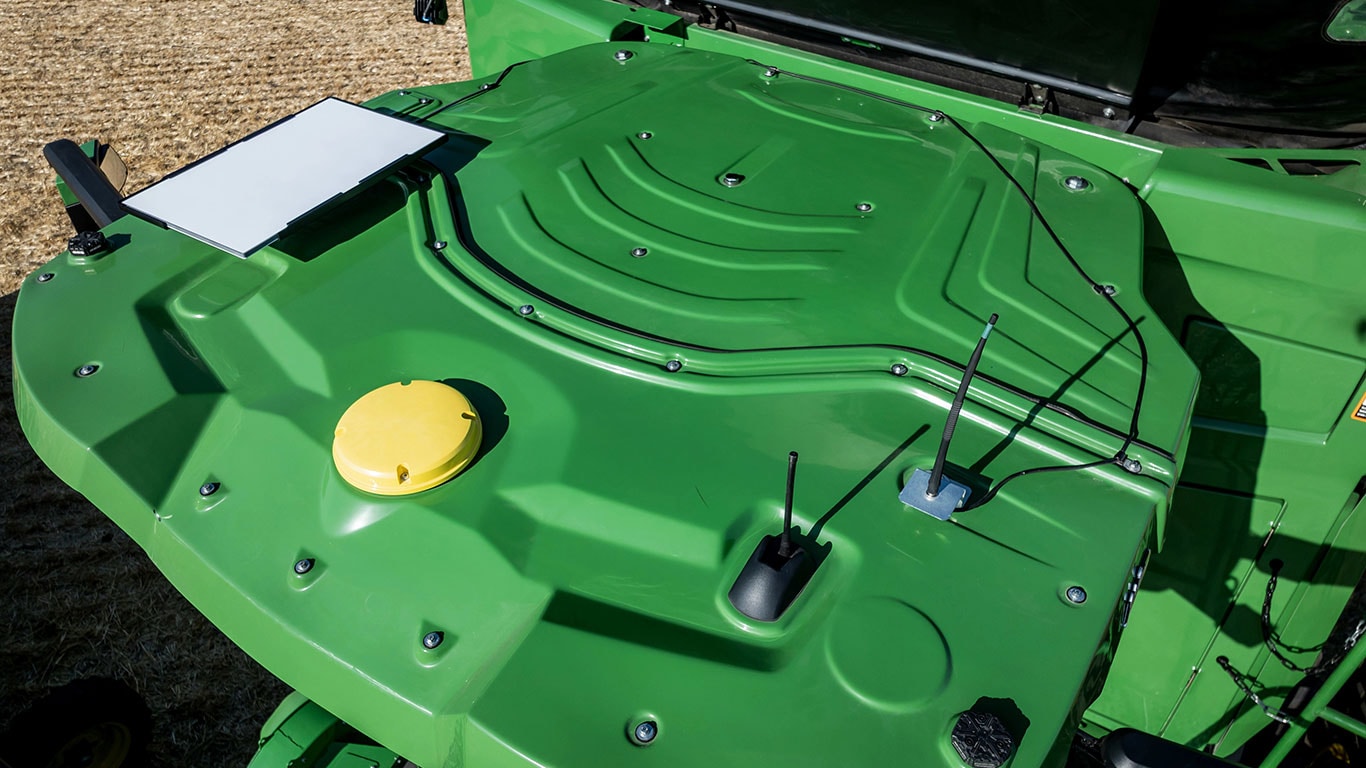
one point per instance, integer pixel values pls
(432, 640)
(646, 732)
(1109, 113)
(46, 276)
(639, 253)
(644, 135)
(1076, 595)
(424, 100)
(899, 369)
(936, 117)
(438, 245)
(1132, 466)
(208, 489)
(87, 370)
(303, 566)
(525, 310)
(771, 72)
(1076, 183)
(485, 86)
(623, 55)
(1105, 290)
(864, 207)
(732, 179)
(404, 93)
(673, 366)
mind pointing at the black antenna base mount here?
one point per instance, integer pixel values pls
(770, 580)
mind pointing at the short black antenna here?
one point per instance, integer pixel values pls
(930, 492)
(785, 545)
(778, 570)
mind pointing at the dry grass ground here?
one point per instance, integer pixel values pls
(164, 82)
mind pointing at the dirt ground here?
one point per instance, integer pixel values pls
(165, 83)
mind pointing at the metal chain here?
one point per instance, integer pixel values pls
(1241, 681)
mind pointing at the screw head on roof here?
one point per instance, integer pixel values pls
(673, 366)
(1076, 595)
(525, 310)
(432, 639)
(899, 369)
(46, 276)
(208, 489)
(1076, 183)
(303, 566)
(623, 55)
(87, 370)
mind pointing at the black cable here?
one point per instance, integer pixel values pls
(483, 89)
(1105, 291)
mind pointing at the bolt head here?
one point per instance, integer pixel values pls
(899, 369)
(1109, 113)
(645, 135)
(1133, 466)
(303, 566)
(639, 253)
(438, 245)
(46, 276)
(864, 207)
(732, 179)
(1076, 183)
(646, 731)
(673, 366)
(208, 489)
(525, 310)
(1076, 595)
(424, 100)
(87, 370)
(623, 55)
(771, 72)
(432, 639)
(936, 117)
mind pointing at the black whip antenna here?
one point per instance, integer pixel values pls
(923, 490)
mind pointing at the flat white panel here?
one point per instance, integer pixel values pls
(243, 197)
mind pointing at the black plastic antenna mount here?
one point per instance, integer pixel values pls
(778, 570)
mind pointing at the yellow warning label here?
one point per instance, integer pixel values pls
(1360, 413)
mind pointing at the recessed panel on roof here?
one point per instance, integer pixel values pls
(241, 198)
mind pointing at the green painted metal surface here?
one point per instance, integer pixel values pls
(579, 568)
(1348, 25)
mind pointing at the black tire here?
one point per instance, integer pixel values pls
(92, 723)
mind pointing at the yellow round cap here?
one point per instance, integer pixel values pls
(405, 438)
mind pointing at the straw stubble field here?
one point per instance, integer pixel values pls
(164, 83)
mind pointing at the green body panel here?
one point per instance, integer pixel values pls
(301, 734)
(1349, 24)
(579, 568)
